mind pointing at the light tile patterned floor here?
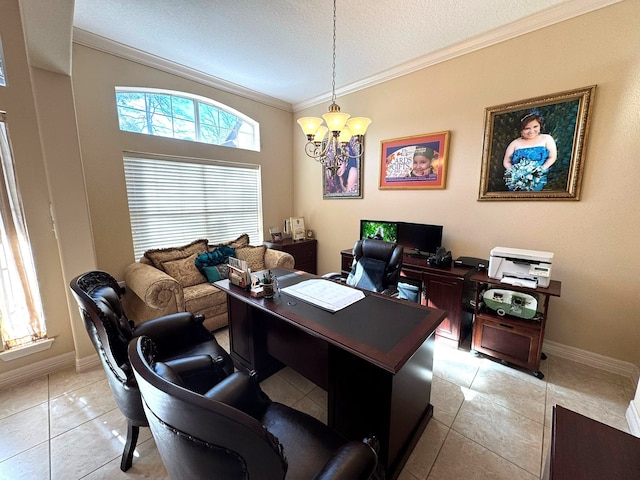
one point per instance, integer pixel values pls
(490, 421)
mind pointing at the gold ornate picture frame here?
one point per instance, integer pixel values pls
(517, 166)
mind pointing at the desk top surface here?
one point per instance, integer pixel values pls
(382, 330)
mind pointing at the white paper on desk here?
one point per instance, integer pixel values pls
(325, 294)
(519, 282)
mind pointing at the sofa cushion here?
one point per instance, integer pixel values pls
(184, 270)
(159, 255)
(204, 297)
(254, 256)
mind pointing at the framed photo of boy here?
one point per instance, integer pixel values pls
(415, 162)
(534, 149)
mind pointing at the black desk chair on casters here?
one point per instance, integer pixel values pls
(376, 266)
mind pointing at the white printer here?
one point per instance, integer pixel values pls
(525, 268)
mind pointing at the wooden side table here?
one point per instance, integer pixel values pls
(305, 252)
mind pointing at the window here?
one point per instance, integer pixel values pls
(186, 117)
(21, 317)
(3, 75)
(173, 201)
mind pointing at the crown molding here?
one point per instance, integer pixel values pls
(530, 24)
(96, 42)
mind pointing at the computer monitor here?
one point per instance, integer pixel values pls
(419, 239)
(382, 230)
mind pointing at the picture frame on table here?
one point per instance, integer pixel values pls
(534, 149)
(416, 162)
(298, 231)
(276, 234)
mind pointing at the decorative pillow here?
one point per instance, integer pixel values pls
(159, 255)
(216, 257)
(241, 241)
(216, 272)
(254, 256)
(184, 271)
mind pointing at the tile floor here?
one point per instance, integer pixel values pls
(490, 421)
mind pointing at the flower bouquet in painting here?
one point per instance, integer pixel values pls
(526, 175)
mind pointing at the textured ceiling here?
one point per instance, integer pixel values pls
(282, 48)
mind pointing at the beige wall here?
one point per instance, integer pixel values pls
(95, 76)
(594, 239)
(41, 122)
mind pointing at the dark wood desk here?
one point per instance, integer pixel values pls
(582, 448)
(444, 288)
(374, 358)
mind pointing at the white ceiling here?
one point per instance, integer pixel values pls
(280, 50)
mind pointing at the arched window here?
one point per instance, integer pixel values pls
(185, 116)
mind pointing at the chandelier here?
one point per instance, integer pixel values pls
(346, 133)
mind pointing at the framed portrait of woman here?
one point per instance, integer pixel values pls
(534, 149)
(346, 180)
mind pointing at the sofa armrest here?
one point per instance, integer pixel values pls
(154, 287)
(278, 259)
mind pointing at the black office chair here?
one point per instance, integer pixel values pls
(178, 337)
(234, 431)
(376, 265)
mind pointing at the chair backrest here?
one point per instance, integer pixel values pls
(99, 300)
(200, 438)
(376, 264)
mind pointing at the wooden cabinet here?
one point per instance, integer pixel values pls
(447, 289)
(509, 338)
(589, 450)
(305, 252)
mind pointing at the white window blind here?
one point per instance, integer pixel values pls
(174, 201)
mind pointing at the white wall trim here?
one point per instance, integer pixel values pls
(91, 40)
(620, 367)
(633, 419)
(37, 369)
(87, 363)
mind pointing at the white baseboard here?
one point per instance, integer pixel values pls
(595, 360)
(633, 419)
(87, 363)
(37, 369)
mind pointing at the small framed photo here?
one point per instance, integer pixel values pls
(415, 162)
(298, 231)
(276, 234)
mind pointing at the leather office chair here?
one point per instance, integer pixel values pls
(177, 336)
(234, 431)
(376, 265)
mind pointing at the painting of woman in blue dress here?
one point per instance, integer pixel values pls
(528, 158)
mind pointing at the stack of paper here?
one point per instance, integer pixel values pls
(325, 294)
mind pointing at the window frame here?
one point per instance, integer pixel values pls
(197, 101)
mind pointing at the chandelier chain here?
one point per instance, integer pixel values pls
(333, 65)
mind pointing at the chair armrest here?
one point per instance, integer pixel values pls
(278, 259)
(154, 287)
(197, 373)
(243, 392)
(352, 461)
(174, 331)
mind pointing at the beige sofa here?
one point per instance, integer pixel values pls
(167, 281)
